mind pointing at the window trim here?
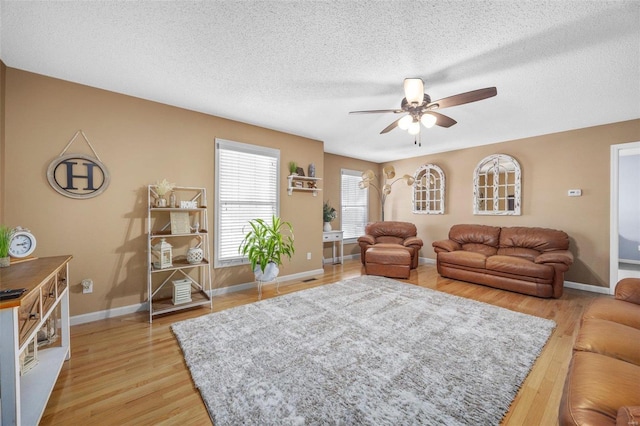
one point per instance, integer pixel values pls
(356, 173)
(249, 149)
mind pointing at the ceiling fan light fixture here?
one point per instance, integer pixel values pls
(428, 120)
(414, 128)
(414, 90)
(405, 122)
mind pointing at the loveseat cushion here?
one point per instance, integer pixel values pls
(469, 259)
(610, 339)
(539, 239)
(628, 289)
(479, 238)
(520, 266)
(595, 387)
(614, 310)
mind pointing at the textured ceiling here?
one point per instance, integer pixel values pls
(301, 66)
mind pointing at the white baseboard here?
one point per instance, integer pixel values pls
(426, 260)
(587, 287)
(329, 260)
(143, 307)
(108, 313)
(246, 286)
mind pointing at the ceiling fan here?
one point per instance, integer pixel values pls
(419, 108)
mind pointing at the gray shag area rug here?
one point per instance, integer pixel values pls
(364, 351)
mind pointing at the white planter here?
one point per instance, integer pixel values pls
(270, 273)
(327, 227)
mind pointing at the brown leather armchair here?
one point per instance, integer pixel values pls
(391, 234)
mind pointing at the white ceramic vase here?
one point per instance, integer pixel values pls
(195, 255)
(327, 227)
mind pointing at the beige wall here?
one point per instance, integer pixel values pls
(551, 165)
(333, 164)
(3, 71)
(140, 142)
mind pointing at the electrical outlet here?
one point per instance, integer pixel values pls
(87, 285)
(309, 256)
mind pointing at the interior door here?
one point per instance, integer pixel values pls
(625, 212)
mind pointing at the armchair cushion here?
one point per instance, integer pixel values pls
(628, 290)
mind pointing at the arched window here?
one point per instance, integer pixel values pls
(428, 190)
(496, 186)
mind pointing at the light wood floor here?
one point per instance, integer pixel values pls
(125, 371)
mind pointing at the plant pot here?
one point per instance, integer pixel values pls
(270, 273)
(161, 202)
(5, 262)
(327, 227)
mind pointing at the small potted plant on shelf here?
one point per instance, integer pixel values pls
(162, 188)
(293, 168)
(5, 240)
(265, 244)
(328, 214)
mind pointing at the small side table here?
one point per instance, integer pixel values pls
(334, 237)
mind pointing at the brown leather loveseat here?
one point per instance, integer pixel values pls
(390, 248)
(603, 382)
(521, 259)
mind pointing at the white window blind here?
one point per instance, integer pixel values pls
(246, 188)
(354, 204)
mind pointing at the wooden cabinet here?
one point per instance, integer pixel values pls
(24, 395)
(183, 228)
(303, 183)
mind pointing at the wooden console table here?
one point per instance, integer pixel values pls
(24, 396)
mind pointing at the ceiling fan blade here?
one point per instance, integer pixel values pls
(377, 111)
(465, 98)
(391, 126)
(442, 120)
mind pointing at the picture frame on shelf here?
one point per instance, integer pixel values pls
(180, 223)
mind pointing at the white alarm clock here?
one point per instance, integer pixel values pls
(23, 243)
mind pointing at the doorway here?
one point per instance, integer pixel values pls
(625, 213)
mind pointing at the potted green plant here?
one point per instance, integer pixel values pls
(6, 234)
(328, 214)
(293, 168)
(265, 244)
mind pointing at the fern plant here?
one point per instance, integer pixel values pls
(267, 242)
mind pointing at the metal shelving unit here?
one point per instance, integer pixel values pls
(159, 280)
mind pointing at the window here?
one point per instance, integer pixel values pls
(247, 187)
(354, 205)
(428, 190)
(496, 186)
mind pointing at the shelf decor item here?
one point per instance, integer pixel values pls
(293, 168)
(195, 255)
(6, 235)
(181, 291)
(163, 251)
(328, 214)
(162, 188)
(312, 170)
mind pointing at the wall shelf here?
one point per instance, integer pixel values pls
(303, 184)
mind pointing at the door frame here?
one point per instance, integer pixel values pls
(613, 215)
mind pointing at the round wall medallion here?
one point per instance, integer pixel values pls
(78, 176)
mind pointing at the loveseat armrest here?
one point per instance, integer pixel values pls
(628, 415)
(556, 256)
(412, 241)
(445, 245)
(628, 289)
(367, 239)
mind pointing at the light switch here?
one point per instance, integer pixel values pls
(575, 192)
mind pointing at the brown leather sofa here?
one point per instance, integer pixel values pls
(521, 259)
(391, 235)
(603, 382)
